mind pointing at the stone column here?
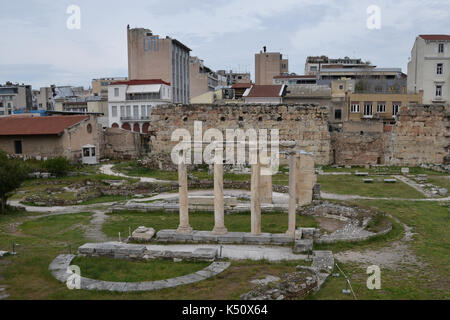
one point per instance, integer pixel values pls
(255, 200)
(184, 226)
(265, 184)
(306, 178)
(219, 219)
(293, 158)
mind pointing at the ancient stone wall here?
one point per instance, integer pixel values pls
(421, 136)
(358, 148)
(306, 126)
(121, 144)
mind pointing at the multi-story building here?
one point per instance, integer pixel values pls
(130, 103)
(100, 86)
(202, 79)
(313, 65)
(235, 77)
(269, 65)
(294, 79)
(152, 57)
(43, 99)
(15, 97)
(367, 80)
(428, 68)
(379, 105)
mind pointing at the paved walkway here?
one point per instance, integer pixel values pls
(107, 169)
(94, 229)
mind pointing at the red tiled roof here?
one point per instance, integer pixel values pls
(265, 91)
(435, 37)
(296, 76)
(141, 82)
(241, 85)
(13, 126)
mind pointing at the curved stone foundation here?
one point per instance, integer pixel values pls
(59, 269)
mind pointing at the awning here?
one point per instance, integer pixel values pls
(150, 88)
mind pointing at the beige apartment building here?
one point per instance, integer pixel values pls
(428, 69)
(202, 79)
(269, 65)
(100, 86)
(152, 57)
(379, 105)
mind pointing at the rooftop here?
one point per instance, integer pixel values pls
(21, 126)
(141, 82)
(435, 37)
(265, 91)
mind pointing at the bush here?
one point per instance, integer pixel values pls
(57, 166)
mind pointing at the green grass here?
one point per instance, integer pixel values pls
(239, 222)
(431, 244)
(440, 181)
(109, 269)
(353, 185)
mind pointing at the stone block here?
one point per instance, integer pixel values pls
(308, 233)
(443, 191)
(231, 237)
(302, 246)
(143, 234)
(405, 170)
(368, 180)
(361, 174)
(281, 239)
(390, 181)
(204, 236)
(263, 238)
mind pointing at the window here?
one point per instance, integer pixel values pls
(338, 114)
(355, 108)
(116, 92)
(149, 111)
(143, 111)
(18, 147)
(313, 68)
(440, 68)
(122, 111)
(381, 107)
(439, 91)
(378, 89)
(341, 87)
(129, 111)
(89, 128)
(368, 109)
(136, 112)
(114, 111)
(441, 48)
(396, 108)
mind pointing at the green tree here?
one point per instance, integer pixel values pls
(12, 174)
(57, 166)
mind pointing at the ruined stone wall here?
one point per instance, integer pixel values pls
(421, 135)
(121, 144)
(304, 125)
(354, 148)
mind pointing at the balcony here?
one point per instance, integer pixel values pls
(135, 118)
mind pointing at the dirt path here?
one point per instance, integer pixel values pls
(94, 229)
(414, 185)
(346, 197)
(107, 169)
(397, 254)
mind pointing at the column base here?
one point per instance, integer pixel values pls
(290, 234)
(184, 230)
(219, 231)
(256, 233)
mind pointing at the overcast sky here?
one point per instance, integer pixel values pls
(38, 49)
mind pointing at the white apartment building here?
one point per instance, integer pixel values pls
(429, 68)
(130, 103)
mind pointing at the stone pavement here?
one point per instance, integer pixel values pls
(60, 265)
